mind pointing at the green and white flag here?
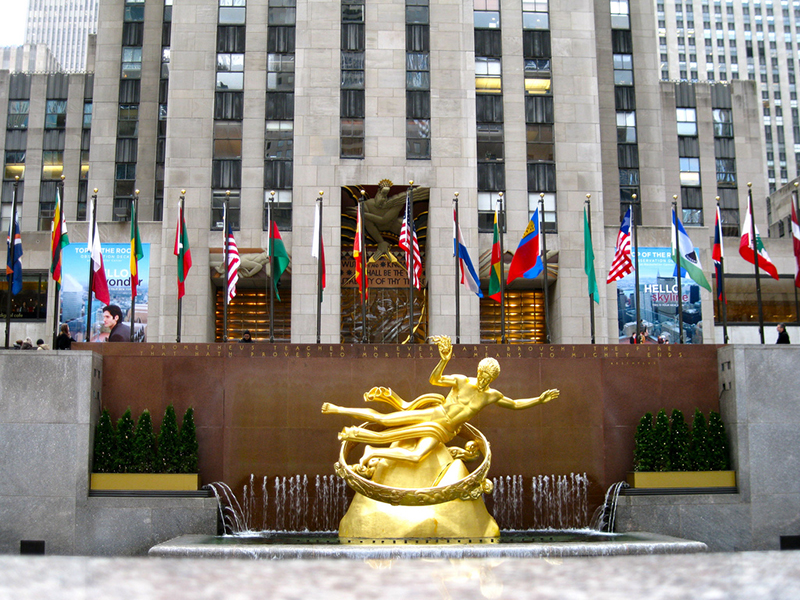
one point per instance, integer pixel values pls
(685, 256)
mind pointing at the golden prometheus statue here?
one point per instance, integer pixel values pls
(412, 485)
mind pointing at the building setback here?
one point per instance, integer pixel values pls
(235, 99)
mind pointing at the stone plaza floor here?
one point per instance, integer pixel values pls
(745, 575)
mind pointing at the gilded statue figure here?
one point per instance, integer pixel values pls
(430, 419)
(384, 214)
(408, 483)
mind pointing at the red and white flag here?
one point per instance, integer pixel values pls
(408, 243)
(98, 274)
(622, 264)
(317, 246)
(796, 243)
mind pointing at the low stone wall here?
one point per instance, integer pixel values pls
(760, 405)
(49, 405)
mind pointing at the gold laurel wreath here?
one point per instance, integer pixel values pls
(470, 487)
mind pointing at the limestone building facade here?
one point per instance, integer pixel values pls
(216, 99)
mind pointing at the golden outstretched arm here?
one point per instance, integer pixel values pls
(528, 402)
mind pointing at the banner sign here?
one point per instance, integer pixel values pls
(658, 294)
(75, 287)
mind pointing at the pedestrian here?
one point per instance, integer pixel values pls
(783, 335)
(64, 339)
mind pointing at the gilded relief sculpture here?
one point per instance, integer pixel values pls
(408, 483)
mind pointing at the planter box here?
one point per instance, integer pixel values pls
(181, 482)
(681, 479)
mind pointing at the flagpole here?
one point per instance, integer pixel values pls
(362, 258)
(133, 250)
(634, 221)
(57, 295)
(180, 258)
(410, 265)
(91, 267)
(319, 268)
(11, 242)
(457, 254)
(591, 294)
(721, 282)
(754, 241)
(679, 266)
(225, 258)
(544, 267)
(501, 228)
(271, 278)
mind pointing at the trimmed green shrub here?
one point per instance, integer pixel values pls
(717, 442)
(188, 443)
(643, 455)
(105, 445)
(169, 452)
(679, 439)
(144, 445)
(125, 427)
(698, 448)
(661, 442)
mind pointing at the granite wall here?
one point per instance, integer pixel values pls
(760, 405)
(49, 404)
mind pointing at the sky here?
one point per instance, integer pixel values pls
(12, 23)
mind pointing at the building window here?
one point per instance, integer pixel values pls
(535, 15)
(687, 121)
(56, 114)
(31, 303)
(18, 114)
(418, 83)
(488, 75)
(623, 69)
(487, 14)
(131, 63)
(692, 206)
(281, 209)
(232, 12)
(280, 72)
(352, 98)
(690, 171)
(626, 127)
(217, 205)
(549, 220)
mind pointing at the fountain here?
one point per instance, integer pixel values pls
(413, 494)
(304, 512)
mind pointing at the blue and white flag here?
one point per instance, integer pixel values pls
(468, 275)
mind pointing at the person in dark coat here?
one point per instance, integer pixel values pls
(64, 339)
(112, 318)
(783, 335)
(247, 338)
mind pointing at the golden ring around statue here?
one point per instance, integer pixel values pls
(470, 487)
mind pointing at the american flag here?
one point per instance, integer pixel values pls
(233, 264)
(622, 264)
(408, 242)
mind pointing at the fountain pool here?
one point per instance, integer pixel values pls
(513, 544)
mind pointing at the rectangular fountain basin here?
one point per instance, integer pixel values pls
(518, 544)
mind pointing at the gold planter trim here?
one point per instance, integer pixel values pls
(681, 479)
(179, 482)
